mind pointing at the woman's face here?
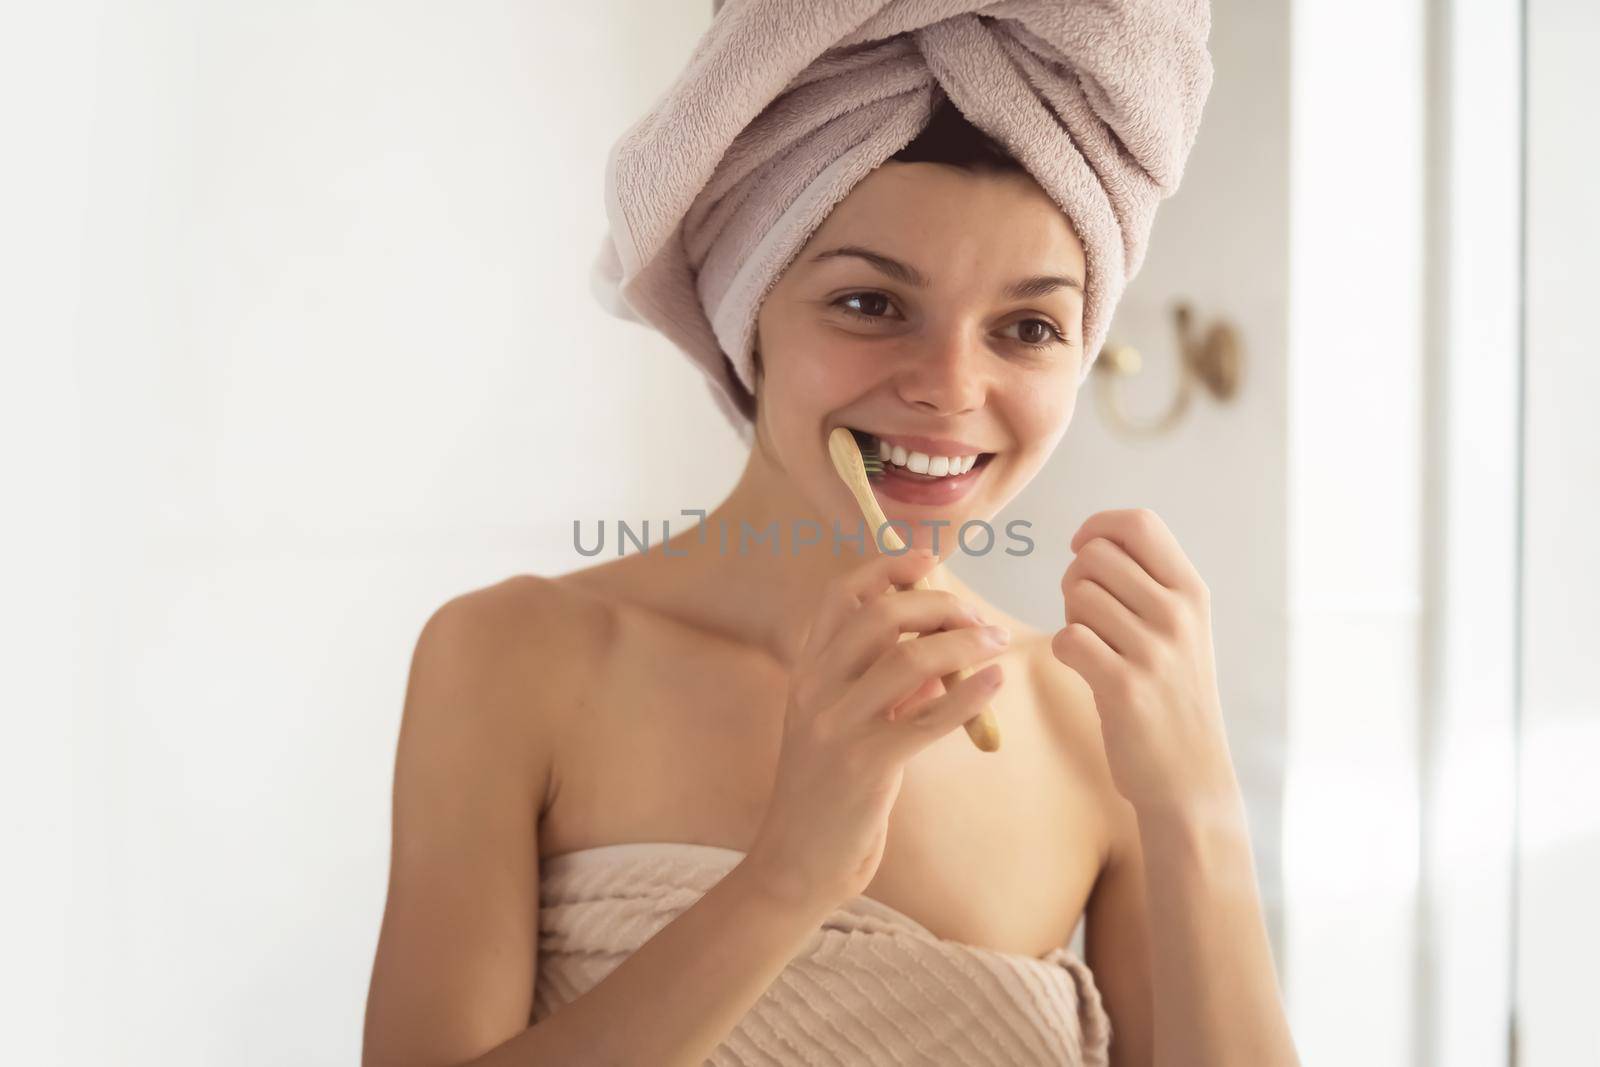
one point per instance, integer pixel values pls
(929, 346)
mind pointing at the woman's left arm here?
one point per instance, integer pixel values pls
(1138, 631)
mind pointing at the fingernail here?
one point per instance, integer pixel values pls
(996, 635)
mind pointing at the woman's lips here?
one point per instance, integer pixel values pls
(899, 484)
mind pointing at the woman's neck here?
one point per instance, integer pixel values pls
(744, 573)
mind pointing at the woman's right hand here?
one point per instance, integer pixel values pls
(861, 703)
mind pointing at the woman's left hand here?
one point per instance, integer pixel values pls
(1138, 629)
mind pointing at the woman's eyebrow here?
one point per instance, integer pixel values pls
(1022, 289)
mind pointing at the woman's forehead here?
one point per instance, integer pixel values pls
(931, 217)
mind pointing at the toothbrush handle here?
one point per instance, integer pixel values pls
(982, 727)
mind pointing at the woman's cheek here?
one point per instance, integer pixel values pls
(1050, 412)
(836, 374)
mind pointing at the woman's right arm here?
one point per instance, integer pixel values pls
(453, 976)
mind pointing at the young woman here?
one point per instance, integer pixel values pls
(698, 804)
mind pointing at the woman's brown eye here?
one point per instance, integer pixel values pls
(871, 299)
(1050, 336)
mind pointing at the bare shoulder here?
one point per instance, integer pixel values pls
(502, 621)
(492, 677)
(508, 660)
(1067, 704)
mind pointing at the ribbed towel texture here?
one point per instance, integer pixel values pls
(872, 988)
(785, 105)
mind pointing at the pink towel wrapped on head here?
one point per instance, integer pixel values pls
(786, 105)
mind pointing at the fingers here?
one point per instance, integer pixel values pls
(931, 720)
(903, 668)
(847, 592)
(877, 626)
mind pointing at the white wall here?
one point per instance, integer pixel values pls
(1559, 833)
(1354, 415)
(42, 184)
(1468, 734)
(307, 308)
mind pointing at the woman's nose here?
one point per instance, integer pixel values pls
(945, 376)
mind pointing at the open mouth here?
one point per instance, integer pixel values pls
(940, 472)
(930, 466)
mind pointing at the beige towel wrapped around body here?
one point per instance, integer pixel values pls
(785, 105)
(872, 988)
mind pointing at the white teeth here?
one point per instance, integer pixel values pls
(922, 463)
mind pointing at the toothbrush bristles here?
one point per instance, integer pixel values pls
(870, 460)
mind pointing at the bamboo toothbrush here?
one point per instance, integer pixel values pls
(854, 468)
